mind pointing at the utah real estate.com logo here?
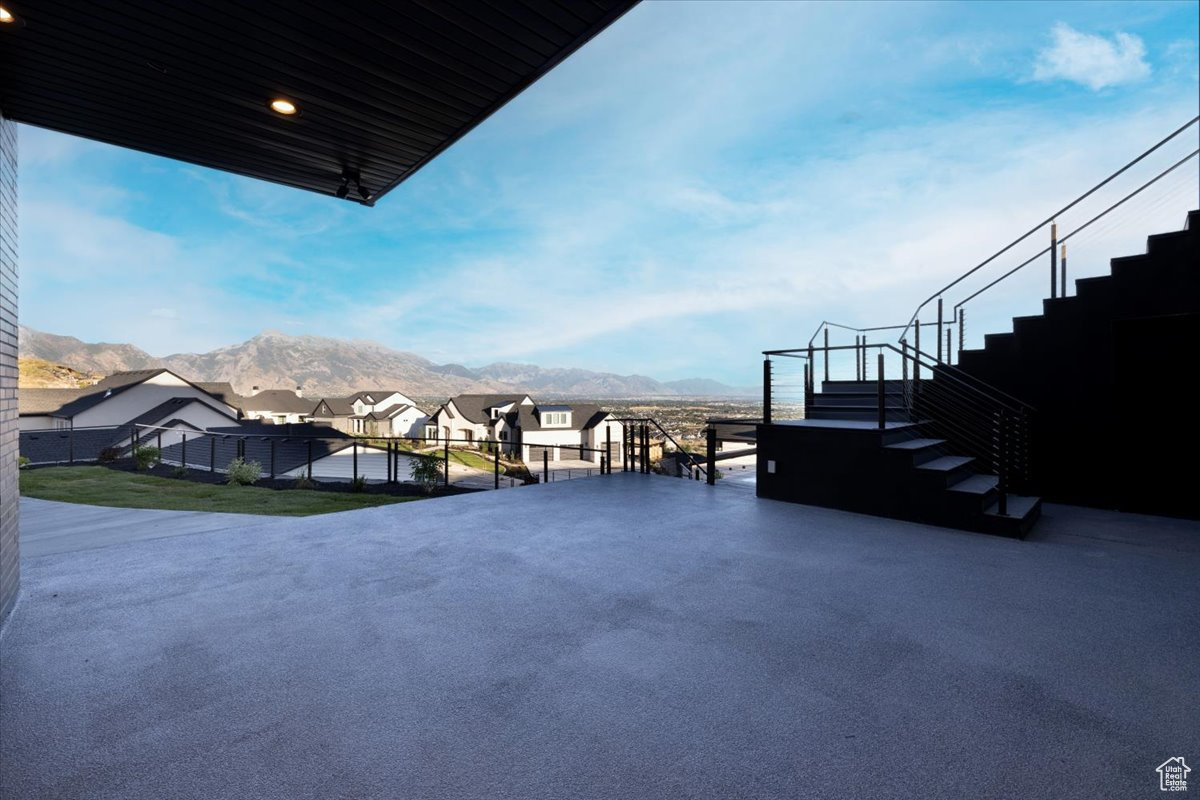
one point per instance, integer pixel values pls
(1172, 775)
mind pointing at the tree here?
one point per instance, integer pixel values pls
(426, 471)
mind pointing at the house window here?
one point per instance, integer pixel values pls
(556, 418)
(358, 426)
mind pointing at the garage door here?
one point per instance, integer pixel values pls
(535, 453)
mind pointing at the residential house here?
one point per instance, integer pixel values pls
(149, 397)
(528, 430)
(378, 412)
(280, 406)
(469, 418)
(78, 424)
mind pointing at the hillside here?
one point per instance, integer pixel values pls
(38, 373)
(333, 367)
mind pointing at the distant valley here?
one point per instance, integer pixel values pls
(334, 367)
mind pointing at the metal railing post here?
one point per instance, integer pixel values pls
(608, 446)
(71, 443)
(917, 354)
(711, 447)
(961, 328)
(939, 331)
(545, 465)
(272, 458)
(767, 390)
(882, 399)
(1002, 467)
(212, 454)
(496, 465)
(183, 451)
(158, 443)
(603, 464)
(827, 353)
(446, 461)
(1053, 260)
(812, 375)
(949, 360)
(1062, 266)
(354, 462)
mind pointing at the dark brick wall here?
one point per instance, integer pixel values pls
(9, 492)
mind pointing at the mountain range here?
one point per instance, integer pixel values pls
(338, 367)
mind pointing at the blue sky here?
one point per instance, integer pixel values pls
(701, 182)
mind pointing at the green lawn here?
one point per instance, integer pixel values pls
(99, 486)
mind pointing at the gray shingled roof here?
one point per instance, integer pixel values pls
(170, 408)
(474, 406)
(113, 384)
(338, 406)
(282, 401)
(39, 402)
(223, 391)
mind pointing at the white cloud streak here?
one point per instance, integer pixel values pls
(1091, 60)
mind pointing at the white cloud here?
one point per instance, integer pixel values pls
(1094, 61)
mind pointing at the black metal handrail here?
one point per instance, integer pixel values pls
(1066, 238)
(938, 295)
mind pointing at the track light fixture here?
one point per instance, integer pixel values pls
(351, 176)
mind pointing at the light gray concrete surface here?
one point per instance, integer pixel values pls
(621, 637)
(50, 527)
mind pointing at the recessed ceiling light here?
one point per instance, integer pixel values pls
(6, 16)
(285, 107)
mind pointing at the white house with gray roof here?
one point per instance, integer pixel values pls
(529, 430)
(377, 412)
(149, 397)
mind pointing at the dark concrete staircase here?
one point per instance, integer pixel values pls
(858, 400)
(926, 479)
(1087, 364)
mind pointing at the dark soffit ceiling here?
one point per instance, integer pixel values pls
(382, 87)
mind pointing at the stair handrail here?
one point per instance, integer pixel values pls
(1064, 239)
(669, 437)
(986, 422)
(1043, 223)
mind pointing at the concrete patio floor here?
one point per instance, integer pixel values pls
(621, 637)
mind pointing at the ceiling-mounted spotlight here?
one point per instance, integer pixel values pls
(6, 17)
(343, 188)
(284, 106)
(363, 192)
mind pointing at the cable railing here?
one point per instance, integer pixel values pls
(1056, 249)
(329, 455)
(977, 419)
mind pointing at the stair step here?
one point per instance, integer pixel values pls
(946, 464)
(1173, 243)
(976, 485)
(916, 444)
(967, 499)
(944, 471)
(998, 340)
(1099, 286)
(868, 413)
(919, 451)
(890, 399)
(1023, 512)
(860, 387)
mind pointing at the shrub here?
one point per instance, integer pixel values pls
(22, 462)
(304, 483)
(179, 472)
(359, 483)
(108, 455)
(426, 471)
(243, 473)
(146, 457)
